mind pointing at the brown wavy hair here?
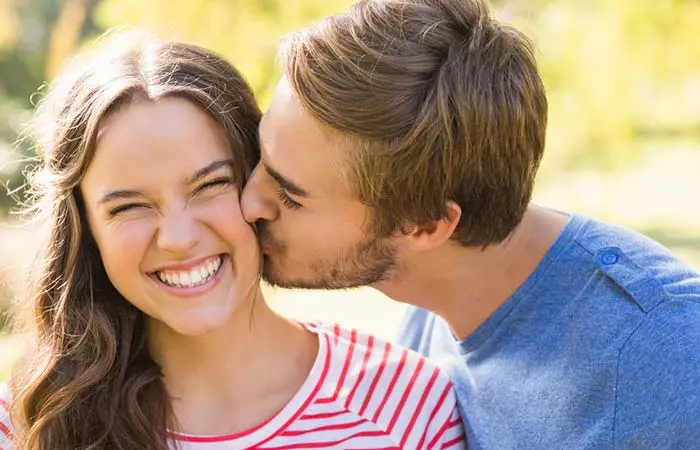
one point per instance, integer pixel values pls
(442, 103)
(88, 381)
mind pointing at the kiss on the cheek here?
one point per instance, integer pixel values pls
(151, 316)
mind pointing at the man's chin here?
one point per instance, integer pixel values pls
(276, 277)
(326, 276)
(273, 276)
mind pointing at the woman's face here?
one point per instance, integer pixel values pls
(164, 210)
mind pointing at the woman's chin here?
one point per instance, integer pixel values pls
(197, 324)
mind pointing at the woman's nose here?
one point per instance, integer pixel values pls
(179, 233)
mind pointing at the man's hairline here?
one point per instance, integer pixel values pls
(341, 141)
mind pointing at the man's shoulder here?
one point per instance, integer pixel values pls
(668, 337)
(599, 237)
(647, 272)
(657, 400)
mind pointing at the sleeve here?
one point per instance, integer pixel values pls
(5, 429)
(445, 428)
(658, 383)
(451, 434)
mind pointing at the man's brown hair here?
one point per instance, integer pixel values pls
(441, 102)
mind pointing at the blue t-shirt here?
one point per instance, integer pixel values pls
(598, 349)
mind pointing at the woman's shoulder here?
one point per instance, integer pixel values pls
(372, 353)
(5, 428)
(369, 365)
(389, 385)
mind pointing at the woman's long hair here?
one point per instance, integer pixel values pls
(88, 380)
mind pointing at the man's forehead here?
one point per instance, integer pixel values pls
(301, 148)
(317, 176)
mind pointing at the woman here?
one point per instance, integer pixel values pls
(150, 329)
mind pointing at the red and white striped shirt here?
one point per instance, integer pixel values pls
(362, 393)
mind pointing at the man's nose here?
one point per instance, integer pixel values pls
(258, 198)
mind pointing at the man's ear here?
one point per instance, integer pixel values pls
(428, 235)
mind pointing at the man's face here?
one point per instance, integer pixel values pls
(312, 228)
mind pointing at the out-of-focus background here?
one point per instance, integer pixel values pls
(623, 81)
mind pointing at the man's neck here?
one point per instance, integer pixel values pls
(465, 286)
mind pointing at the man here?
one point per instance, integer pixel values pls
(399, 152)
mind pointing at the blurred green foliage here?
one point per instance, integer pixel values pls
(243, 31)
(616, 71)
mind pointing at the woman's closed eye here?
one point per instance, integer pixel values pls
(209, 186)
(126, 208)
(218, 183)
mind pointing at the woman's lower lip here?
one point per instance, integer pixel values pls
(196, 290)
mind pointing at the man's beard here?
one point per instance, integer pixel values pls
(366, 263)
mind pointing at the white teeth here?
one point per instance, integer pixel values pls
(191, 278)
(195, 278)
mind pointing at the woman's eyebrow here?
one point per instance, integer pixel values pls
(126, 194)
(213, 167)
(119, 194)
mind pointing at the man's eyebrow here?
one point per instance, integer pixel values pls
(286, 184)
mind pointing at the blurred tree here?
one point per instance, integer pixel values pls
(9, 24)
(39, 35)
(615, 72)
(243, 31)
(65, 34)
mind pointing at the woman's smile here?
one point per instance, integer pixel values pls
(192, 278)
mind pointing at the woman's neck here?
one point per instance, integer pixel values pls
(221, 383)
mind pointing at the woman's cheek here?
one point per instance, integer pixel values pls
(126, 237)
(224, 215)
